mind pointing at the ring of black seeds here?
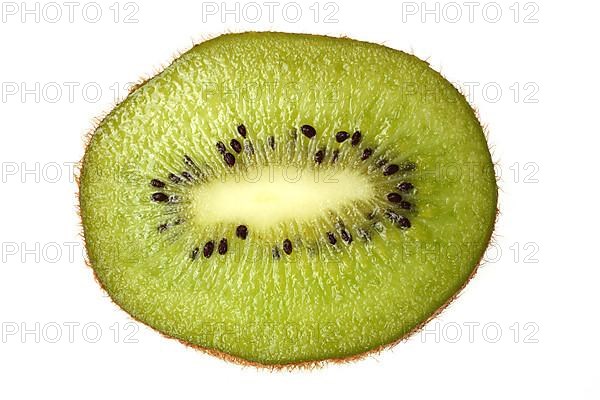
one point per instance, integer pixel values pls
(242, 230)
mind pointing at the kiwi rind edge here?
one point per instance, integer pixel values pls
(302, 365)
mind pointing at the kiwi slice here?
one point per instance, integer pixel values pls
(284, 199)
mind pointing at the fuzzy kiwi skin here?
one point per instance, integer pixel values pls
(387, 290)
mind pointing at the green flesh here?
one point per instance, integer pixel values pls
(322, 301)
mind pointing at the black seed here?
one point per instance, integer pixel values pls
(221, 147)
(363, 234)
(319, 156)
(346, 236)
(308, 131)
(174, 178)
(390, 170)
(276, 253)
(392, 216)
(222, 246)
(408, 166)
(287, 246)
(157, 184)
(190, 163)
(162, 228)
(249, 148)
(341, 136)
(242, 130)
(160, 197)
(195, 252)
(209, 247)
(331, 238)
(380, 163)
(178, 221)
(356, 138)
(241, 231)
(405, 205)
(187, 176)
(271, 141)
(394, 197)
(188, 160)
(401, 221)
(405, 186)
(404, 223)
(336, 154)
(235, 145)
(366, 154)
(229, 159)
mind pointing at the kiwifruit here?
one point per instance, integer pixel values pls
(282, 199)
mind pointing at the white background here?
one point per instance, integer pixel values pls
(533, 307)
